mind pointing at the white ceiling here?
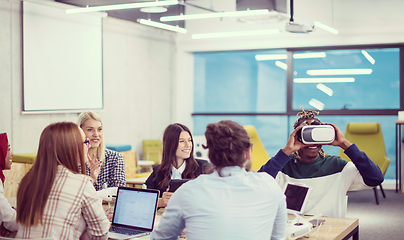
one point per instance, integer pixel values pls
(358, 22)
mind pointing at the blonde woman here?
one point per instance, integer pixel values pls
(105, 166)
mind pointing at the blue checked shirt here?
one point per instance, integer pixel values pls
(112, 171)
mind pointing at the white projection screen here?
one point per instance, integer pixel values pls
(62, 59)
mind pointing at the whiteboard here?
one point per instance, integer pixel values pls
(62, 59)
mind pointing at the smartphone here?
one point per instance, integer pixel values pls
(317, 222)
(175, 184)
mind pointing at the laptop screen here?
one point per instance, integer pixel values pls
(296, 197)
(135, 208)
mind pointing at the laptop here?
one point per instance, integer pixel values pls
(297, 196)
(134, 212)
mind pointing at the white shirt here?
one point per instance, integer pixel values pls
(328, 195)
(7, 214)
(177, 173)
(242, 205)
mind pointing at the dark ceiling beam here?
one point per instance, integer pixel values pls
(196, 6)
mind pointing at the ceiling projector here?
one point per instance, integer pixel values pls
(297, 28)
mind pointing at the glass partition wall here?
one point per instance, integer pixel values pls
(266, 88)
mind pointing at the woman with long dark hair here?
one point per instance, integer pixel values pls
(177, 162)
(55, 198)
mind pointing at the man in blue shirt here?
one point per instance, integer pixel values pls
(230, 203)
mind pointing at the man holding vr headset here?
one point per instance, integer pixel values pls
(302, 161)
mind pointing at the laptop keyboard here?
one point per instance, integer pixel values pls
(127, 231)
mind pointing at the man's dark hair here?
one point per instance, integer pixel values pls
(305, 115)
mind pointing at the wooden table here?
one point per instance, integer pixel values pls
(137, 181)
(341, 229)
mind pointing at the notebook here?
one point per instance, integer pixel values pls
(297, 196)
(134, 212)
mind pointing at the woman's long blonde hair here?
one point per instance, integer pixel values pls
(83, 117)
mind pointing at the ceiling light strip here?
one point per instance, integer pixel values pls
(325, 27)
(339, 72)
(162, 26)
(325, 89)
(316, 104)
(266, 57)
(368, 57)
(122, 6)
(235, 34)
(154, 10)
(323, 80)
(309, 55)
(215, 15)
(281, 65)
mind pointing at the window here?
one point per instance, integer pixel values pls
(271, 129)
(259, 88)
(235, 82)
(346, 79)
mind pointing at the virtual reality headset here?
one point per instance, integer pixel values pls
(316, 134)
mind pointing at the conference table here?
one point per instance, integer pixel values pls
(335, 228)
(332, 228)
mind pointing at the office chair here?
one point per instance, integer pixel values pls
(259, 154)
(153, 150)
(131, 167)
(369, 139)
(24, 157)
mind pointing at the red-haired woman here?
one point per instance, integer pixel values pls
(55, 198)
(7, 216)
